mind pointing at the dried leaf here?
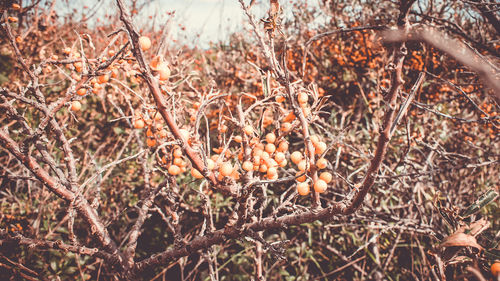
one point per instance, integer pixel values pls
(460, 239)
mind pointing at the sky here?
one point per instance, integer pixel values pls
(212, 20)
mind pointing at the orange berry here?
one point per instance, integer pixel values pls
(177, 153)
(314, 140)
(16, 6)
(326, 176)
(321, 163)
(263, 168)
(238, 139)
(279, 157)
(320, 148)
(81, 92)
(283, 163)
(300, 178)
(270, 148)
(164, 72)
(271, 172)
(285, 127)
(150, 142)
(174, 170)
(67, 51)
(320, 186)
(226, 169)
(296, 156)
(271, 138)
(196, 174)
(256, 160)
(19, 39)
(179, 162)
(139, 124)
(495, 269)
(247, 166)
(144, 43)
(303, 188)
(12, 19)
(290, 117)
(248, 130)
(302, 165)
(210, 164)
(76, 105)
(103, 79)
(283, 146)
(235, 174)
(302, 98)
(280, 99)
(149, 133)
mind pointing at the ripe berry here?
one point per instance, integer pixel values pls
(247, 166)
(495, 269)
(139, 124)
(144, 43)
(174, 170)
(296, 156)
(76, 105)
(303, 188)
(320, 186)
(271, 138)
(321, 163)
(226, 169)
(326, 176)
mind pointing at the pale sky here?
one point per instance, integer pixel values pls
(212, 20)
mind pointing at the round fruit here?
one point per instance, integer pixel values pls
(320, 148)
(103, 79)
(210, 164)
(303, 188)
(271, 138)
(150, 142)
(270, 148)
(302, 98)
(238, 139)
(283, 146)
(296, 156)
(139, 124)
(321, 163)
(81, 92)
(286, 126)
(300, 178)
(226, 169)
(314, 140)
(76, 105)
(271, 172)
(144, 43)
(495, 269)
(196, 174)
(280, 99)
(320, 186)
(279, 157)
(248, 130)
(247, 166)
(164, 72)
(177, 153)
(302, 165)
(326, 176)
(174, 170)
